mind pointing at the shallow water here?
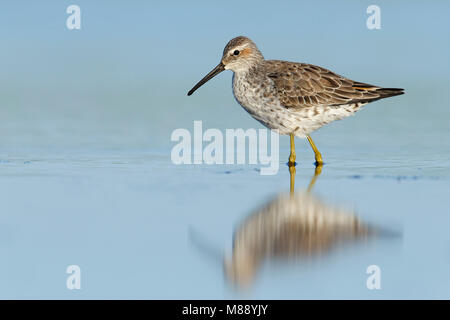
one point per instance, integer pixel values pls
(141, 227)
(86, 177)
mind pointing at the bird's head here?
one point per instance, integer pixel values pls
(240, 55)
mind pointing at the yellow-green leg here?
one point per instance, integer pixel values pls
(292, 155)
(317, 154)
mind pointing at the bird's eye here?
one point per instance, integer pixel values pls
(236, 52)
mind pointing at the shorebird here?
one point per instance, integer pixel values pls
(293, 98)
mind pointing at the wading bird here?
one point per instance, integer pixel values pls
(293, 98)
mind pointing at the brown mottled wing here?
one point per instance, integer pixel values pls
(300, 85)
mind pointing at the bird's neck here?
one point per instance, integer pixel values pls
(251, 70)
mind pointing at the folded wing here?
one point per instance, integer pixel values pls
(300, 85)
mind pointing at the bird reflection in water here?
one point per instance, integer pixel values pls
(293, 225)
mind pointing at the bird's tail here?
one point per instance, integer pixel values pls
(389, 92)
(373, 93)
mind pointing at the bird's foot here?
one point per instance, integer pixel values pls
(319, 161)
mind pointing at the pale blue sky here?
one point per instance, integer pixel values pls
(168, 39)
(138, 59)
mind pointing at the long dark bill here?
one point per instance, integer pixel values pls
(220, 67)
